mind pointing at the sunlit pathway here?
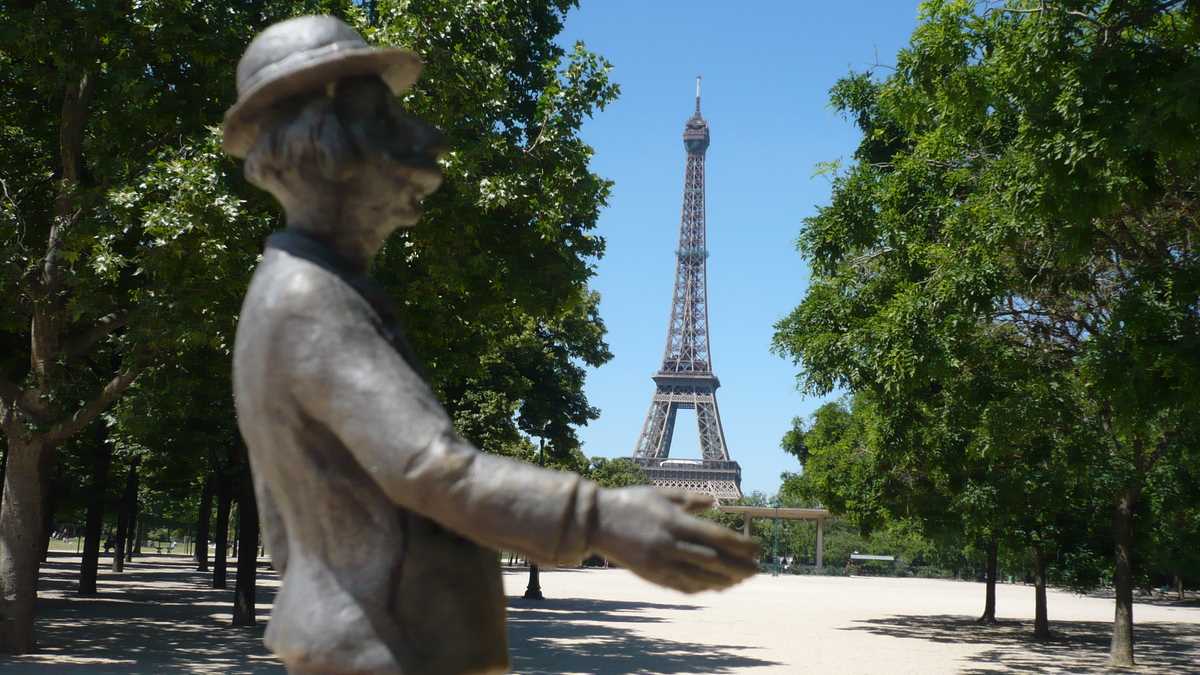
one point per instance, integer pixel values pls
(161, 617)
(608, 621)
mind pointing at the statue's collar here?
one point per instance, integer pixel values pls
(306, 247)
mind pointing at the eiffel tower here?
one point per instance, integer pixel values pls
(686, 378)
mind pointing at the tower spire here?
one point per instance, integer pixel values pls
(698, 94)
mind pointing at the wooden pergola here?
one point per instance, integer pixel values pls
(749, 513)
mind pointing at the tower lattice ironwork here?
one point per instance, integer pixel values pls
(686, 379)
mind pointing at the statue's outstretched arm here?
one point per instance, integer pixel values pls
(348, 378)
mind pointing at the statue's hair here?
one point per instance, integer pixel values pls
(303, 145)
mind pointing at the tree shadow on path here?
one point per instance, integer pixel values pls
(576, 635)
(1074, 646)
(162, 616)
(159, 616)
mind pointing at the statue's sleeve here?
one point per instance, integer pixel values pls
(273, 529)
(348, 378)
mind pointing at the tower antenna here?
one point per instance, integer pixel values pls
(698, 94)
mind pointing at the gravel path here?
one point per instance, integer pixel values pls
(160, 616)
(609, 621)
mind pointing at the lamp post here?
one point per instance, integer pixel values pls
(533, 591)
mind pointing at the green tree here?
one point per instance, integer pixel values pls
(616, 473)
(1028, 173)
(1170, 527)
(494, 279)
(839, 463)
(127, 237)
(94, 95)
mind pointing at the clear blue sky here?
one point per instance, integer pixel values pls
(767, 69)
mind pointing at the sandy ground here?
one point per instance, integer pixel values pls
(161, 617)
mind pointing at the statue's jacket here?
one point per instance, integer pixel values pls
(381, 520)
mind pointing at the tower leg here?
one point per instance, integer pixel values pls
(715, 473)
(657, 431)
(712, 440)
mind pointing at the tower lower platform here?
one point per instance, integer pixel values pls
(721, 479)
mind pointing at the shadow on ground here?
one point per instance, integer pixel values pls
(1074, 646)
(162, 616)
(1169, 599)
(600, 636)
(159, 616)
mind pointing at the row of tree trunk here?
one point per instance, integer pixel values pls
(1041, 622)
(230, 482)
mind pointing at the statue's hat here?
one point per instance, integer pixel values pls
(305, 54)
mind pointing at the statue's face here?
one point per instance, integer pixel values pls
(403, 151)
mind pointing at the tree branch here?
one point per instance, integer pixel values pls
(1014, 10)
(1107, 27)
(27, 401)
(73, 121)
(1160, 449)
(48, 307)
(1031, 316)
(82, 342)
(867, 257)
(111, 392)
(541, 136)
(9, 392)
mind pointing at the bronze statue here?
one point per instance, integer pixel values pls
(380, 519)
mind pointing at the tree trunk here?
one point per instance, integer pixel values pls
(101, 460)
(989, 603)
(1041, 622)
(1121, 651)
(118, 556)
(132, 533)
(1179, 585)
(49, 490)
(47, 529)
(124, 516)
(202, 521)
(3, 468)
(222, 538)
(21, 529)
(247, 562)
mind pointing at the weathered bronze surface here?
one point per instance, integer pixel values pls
(381, 520)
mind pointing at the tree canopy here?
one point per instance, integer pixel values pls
(1022, 210)
(127, 237)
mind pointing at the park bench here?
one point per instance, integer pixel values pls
(863, 557)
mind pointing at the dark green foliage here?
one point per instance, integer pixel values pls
(1007, 278)
(840, 464)
(493, 282)
(616, 473)
(129, 237)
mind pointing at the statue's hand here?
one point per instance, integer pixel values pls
(649, 530)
